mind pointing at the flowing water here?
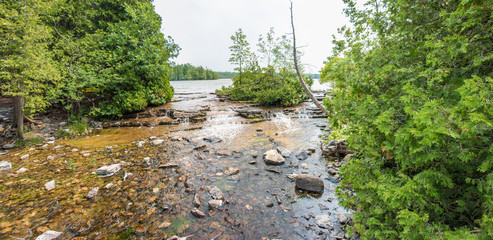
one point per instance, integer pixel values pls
(149, 201)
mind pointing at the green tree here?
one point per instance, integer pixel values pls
(240, 51)
(27, 71)
(413, 95)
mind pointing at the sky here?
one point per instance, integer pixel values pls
(203, 28)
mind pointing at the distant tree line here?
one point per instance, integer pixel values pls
(189, 72)
(96, 57)
(226, 74)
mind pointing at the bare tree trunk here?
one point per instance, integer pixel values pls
(19, 116)
(305, 87)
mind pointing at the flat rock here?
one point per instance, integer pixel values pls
(216, 193)
(223, 152)
(323, 221)
(21, 170)
(106, 171)
(157, 142)
(215, 203)
(5, 166)
(284, 151)
(272, 157)
(309, 183)
(49, 235)
(8, 146)
(168, 165)
(93, 193)
(197, 213)
(231, 171)
(50, 185)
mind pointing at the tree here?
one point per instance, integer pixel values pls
(240, 51)
(27, 70)
(413, 98)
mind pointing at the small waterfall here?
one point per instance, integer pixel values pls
(185, 121)
(223, 125)
(303, 114)
(284, 123)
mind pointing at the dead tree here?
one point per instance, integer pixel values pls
(305, 87)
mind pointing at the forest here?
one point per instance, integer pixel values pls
(189, 72)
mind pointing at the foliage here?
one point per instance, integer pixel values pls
(189, 72)
(276, 84)
(414, 95)
(222, 75)
(30, 139)
(75, 128)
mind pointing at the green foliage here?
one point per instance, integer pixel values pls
(273, 85)
(222, 75)
(75, 128)
(30, 139)
(414, 96)
(189, 72)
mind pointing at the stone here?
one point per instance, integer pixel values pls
(302, 155)
(332, 171)
(234, 178)
(284, 152)
(197, 213)
(215, 203)
(5, 166)
(196, 200)
(49, 235)
(252, 161)
(8, 146)
(50, 138)
(86, 154)
(109, 186)
(309, 183)
(272, 157)
(323, 221)
(216, 193)
(312, 149)
(157, 142)
(231, 171)
(212, 139)
(21, 170)
(223, 152)
(93, 193)
(50, 158)
(344, 218)
(75, 150)
(168, 165)
(106, 171)
(24, 156)
(152, 138)
(50, 185)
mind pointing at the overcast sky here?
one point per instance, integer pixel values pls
(202, 28)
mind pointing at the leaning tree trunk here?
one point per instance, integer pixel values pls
(305, 87)
(19, 116)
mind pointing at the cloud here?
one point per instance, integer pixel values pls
(203, 28)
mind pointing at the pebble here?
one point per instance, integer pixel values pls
(24, 156)
(5, 166)
(93, 193)
(215, 203)
(21, 170)
(197, 213)
(50, 185)
(75, 150)
(49, 235)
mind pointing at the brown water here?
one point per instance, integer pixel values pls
(155, 203)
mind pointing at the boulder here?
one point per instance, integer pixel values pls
(272, 157)
(309, 183)
(106, 171)
(5, 166)
(49, 235)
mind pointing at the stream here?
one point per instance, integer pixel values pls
(172, 158)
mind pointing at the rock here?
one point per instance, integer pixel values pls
(252, 161)
(168, 165)
(75, 150)
(86, 154)
(196, 200)
(309, 183)
(50, 185)
(8, 146)
(106, 171)
(50, 158)
(215, 203)
(216, 193)
(284, 152)
(24, 156)
(223, 152)
(5, 166)
(197, 213)
(21, 170)
(234, 178)
(273, 157)
(109, 186)
(332, 171)
(157, 142)
(304, 165)
(302, 155)
(152, 138)
(231, 171)
(49, 235)
(212, 139)
(312, 149)
(323, 221)
(255, 155)
(93, 193)
(344, 218)
(270, 205)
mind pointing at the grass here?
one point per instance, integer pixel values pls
(30, 139)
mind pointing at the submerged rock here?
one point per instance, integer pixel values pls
(272, 157)
(5, 166)
(93, 193)
(216, 193)
(323, 221)
(215, 203)
(50, 185)
(231, 171)
(309, 183)
(49, 235)
(284, 151)
(197, 213)
(106, 171)
(196, 200)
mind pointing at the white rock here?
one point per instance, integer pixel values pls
(49, 158)
(50, 185)
(21, 170)
(323, 221)
(109, 186)
(24, 156)
(157, 142)
(93, 193)
(215, 203)
(5, 166)
(272, 157)
(86, 154)
(106, 171)
(75, 150)
(49, 235)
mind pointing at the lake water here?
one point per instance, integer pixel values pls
(210, 86)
